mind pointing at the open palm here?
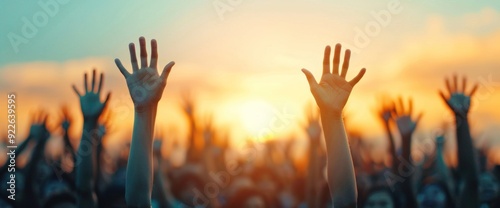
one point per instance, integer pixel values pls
(458, 100)
(145, 84)
(332, 92)
(403, 116)
(90, 102)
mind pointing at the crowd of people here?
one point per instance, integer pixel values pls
(336, 174)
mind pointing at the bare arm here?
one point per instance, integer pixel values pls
(313, 129)
(146, 88)
(458, 101)
(92, 108)
(331, 95)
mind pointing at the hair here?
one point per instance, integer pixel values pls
(241, 196)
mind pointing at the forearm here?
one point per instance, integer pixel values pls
(159, 187)
(392, 148)
(312, 175)
(341, 179)
(140, 162)
(85, 165)
(68, 145)
(443, 170)
(407, 184)
(467, 163)
(466, 155)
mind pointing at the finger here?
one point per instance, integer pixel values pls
(310, 78)
(345, 65)
(65, 111)
(45, 116)
(85, 82)
(448, 87)
(101, 80)
(445, 99)
(455, 83)
(358, 77)
(93, 80)
(106, 100)
(464, 84)
(144, 52)
(121, 68)
(401, 106)
(154, 54)
(336, 59)
(326, 60)
(474, 89)
(133, 57)
(394, 114)
(410, 107)
(166, 71)
(76, 91)
(417, 120)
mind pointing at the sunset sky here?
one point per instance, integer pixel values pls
(241, 59)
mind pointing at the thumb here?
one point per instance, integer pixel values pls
(166, 71)
(310, 78)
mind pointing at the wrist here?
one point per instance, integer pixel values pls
(331, 114)
(145, 108)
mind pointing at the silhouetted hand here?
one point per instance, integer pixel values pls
(38, 129)
(145, 84)
(208, 132)
(332, 92)
(403, 117)
(458, 100)
(90, 102)
(312, 126)
(384, 113)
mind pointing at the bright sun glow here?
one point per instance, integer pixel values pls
(256, 116)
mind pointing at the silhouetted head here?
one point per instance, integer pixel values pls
(434, 194)
(380, 197)
(57, 193)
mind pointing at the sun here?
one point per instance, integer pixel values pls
(256, 116)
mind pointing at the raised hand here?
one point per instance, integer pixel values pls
(90, 101)
(385, 112)
(332, 92)
(312, 126)
(403, 116)
(38, 129)
(145, 84)
(208, 132)
(457, 99)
